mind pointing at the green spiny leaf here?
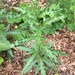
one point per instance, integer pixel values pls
(24, 70)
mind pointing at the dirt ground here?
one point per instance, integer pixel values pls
(64, 41)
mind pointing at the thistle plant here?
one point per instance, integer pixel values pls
(32, 22)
